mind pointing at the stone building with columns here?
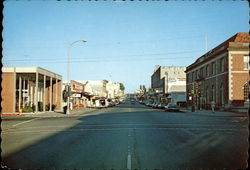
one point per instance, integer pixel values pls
(30, 87)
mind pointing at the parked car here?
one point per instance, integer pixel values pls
(155, 104)
(161, 105)
(132, 101)
(171, 107)
(149, 104)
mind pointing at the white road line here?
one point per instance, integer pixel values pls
(129, 132)
(129, 161)
(26, 121)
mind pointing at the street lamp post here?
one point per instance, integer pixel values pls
(68, 72)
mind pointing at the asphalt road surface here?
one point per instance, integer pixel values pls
(128, 136)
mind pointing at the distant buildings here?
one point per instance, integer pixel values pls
(169, 84)
(30, 89)
(93, 93)
(221, 75)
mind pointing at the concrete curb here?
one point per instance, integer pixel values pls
(51, 114)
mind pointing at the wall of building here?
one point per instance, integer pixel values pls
(8, 92)
(239, 77)
(156, 81)
(239, 80)
(57, 96)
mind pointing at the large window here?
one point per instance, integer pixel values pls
(204, 72)
(207, 70)
(207, 95)
(212, 68)
(221, 68)
(246, 92)
(212, 98)
(246, 62)
(201, 73)
(193, 76)
(221, 94)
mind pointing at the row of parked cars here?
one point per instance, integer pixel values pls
(169, 107)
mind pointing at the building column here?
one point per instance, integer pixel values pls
(56, 91)
(19, 97)
(36, 93)
(14, 92)
(28, 91)
(44, 92)
(23, 92)
(50, 95)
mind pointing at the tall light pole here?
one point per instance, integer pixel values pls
(68, 72)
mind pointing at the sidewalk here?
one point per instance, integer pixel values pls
(216, 113)
(74, 112)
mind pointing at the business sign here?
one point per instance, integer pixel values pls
(76, 95)
(76, 86)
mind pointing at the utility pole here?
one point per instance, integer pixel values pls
(206, 43)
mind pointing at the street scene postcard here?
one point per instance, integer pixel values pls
(125, 85)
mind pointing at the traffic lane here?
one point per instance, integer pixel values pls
(180, 117)
(148, 116)
(179, 149)
(132, 120)
(90, 149)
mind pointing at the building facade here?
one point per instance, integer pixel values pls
(221, 75)
(169, 82)
(100, 92)
(30, 89)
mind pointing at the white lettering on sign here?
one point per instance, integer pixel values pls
(76, 95)
(77, 87)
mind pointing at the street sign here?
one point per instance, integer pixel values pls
(76, 95)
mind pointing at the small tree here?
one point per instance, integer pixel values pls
(122, 87)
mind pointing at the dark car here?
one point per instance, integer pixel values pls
(132, 101)
(171, 107)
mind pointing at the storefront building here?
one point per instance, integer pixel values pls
(166, 78)
(77, 89)
(221, 76)
(30, 89)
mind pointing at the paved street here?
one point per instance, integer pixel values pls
(128, 136)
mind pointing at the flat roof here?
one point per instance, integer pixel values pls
(31, 70)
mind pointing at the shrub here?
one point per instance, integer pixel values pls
(27, 109)
(48, 106)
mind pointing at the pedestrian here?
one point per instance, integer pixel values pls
(212, 106)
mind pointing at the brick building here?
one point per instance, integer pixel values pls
(221, 75)
(30, 88)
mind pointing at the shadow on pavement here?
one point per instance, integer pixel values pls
(100, 141)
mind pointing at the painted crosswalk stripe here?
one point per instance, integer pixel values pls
(26, 121)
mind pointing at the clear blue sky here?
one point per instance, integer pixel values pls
(125, 39)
